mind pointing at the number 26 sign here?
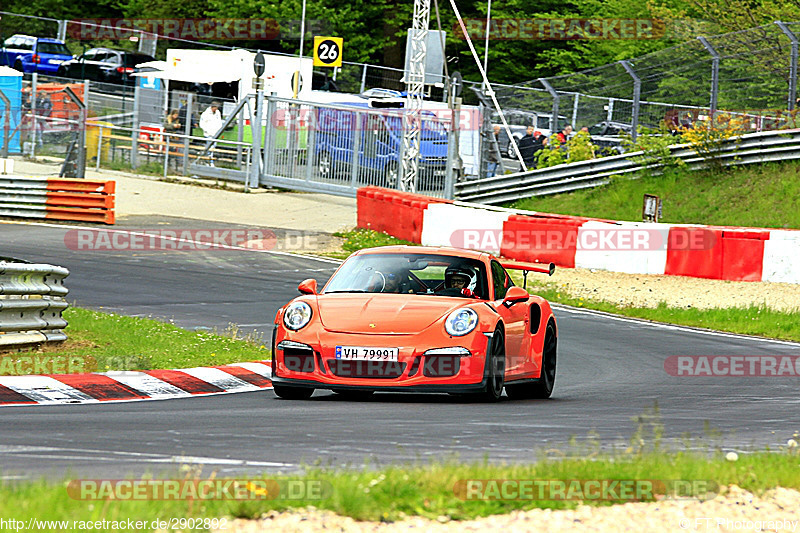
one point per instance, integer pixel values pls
(328, 51)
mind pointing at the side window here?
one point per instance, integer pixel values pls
(88, 56)
(501, 280)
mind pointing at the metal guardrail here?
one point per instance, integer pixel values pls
(31, 303)
(764, 147)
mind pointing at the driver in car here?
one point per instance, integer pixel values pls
(461, 279)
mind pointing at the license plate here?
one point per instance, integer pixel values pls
(366, 353)
(56, 61)
(439, 172)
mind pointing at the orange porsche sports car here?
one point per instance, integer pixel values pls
(421, 319)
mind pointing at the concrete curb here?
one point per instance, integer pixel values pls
(127, 386)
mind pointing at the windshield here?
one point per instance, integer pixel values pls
(53, 48)
(410, 274)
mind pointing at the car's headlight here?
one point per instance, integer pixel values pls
(461, 322)
(297, 315)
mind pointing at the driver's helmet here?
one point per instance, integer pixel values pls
(457, 272)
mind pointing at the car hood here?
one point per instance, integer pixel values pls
(383, 313)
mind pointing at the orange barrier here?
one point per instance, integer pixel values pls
(397, 213)
(57, 199)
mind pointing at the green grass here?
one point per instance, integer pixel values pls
(753, 320)
(107, 341)
(390, 494)
(360, 238)
(280, 135)
(754, 196)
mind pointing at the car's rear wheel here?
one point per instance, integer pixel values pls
(287, 392)
(354, 395)
(18, 66)
(495, 369)
(542, 388)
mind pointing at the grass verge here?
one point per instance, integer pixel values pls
(390, 494)
(359, 238)
(756, 320)
(754, 195)
(107, 341)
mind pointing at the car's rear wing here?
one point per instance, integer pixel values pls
(529, 267)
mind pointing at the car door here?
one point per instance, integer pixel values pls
(18, 52)
(82, 67)
(51, 55)
(515, 318)
(110, 67)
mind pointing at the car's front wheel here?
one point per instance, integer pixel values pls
(287, 392)
(495, 369)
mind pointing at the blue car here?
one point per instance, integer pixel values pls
(34, 54)
(375, 137)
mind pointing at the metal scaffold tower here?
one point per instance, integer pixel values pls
(415, 87)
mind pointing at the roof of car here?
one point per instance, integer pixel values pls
(433, 250)
(43, 39)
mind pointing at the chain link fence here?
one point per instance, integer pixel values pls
(750, 73)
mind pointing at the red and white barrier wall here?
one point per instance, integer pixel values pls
(737, 254)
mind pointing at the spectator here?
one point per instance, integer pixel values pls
(174, 123)
(44, 107)
(538, 144)
(493, 157)
(527, 147)
(210, 123)
(563, 135)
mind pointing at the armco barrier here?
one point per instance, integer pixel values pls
(57, 199)
(728, 253)
(31, 302)
(394, 212)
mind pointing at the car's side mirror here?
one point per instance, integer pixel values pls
(515, 295)
(308, 286)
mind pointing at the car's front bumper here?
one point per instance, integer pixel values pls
(414, 371)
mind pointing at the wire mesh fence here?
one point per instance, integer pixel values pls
(750, 73)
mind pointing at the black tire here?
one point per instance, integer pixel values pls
(18, 66)
(495, 369)
(355, 395)
(542, 388)
(287, 392)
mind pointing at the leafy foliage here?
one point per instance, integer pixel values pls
(578, 148)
